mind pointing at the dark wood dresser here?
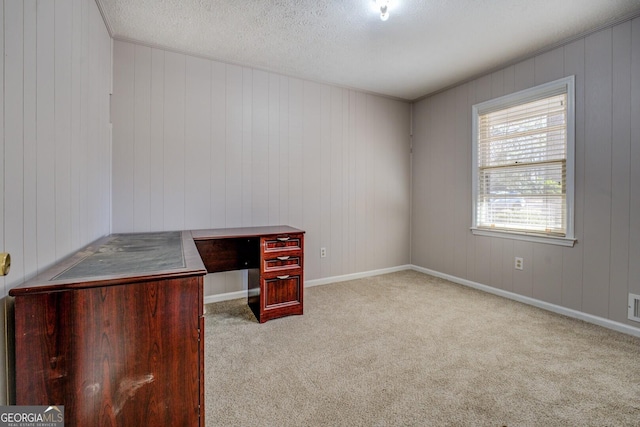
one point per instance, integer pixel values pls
(114, 333)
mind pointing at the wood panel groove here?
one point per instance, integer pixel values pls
(270, 150)
(55, 155)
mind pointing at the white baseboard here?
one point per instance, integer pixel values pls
(316, 282)
(596, 320)
(354, 276)
(209, 299)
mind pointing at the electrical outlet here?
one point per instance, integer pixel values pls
(323, 252)
(519, 263)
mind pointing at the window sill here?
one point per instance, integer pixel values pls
(550, 240)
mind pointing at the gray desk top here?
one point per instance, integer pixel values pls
(130, 253)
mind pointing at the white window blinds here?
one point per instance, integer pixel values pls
(522, 166)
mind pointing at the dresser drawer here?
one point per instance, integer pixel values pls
(282, 243)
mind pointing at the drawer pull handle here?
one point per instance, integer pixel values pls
(283, 258)
(283, 239)
(283, 277)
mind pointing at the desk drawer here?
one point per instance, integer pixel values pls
(285, 242)
(282, 290)
(282, 263)
(278, 284)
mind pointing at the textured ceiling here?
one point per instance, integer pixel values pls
(425, 45)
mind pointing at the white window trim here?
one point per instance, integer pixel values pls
(519, 98)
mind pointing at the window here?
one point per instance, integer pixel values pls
(523, 164)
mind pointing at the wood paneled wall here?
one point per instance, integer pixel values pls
(55, 134)
(55, 68)
(203, 144)
(597, 274)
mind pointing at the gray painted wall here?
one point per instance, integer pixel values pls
(203, 144)
(55, 66)
(597, 274)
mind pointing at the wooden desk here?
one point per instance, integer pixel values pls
(274, 257)
(114, 332)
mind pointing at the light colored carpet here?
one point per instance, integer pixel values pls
(408, 349)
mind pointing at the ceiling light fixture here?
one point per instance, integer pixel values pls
(383, 6)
